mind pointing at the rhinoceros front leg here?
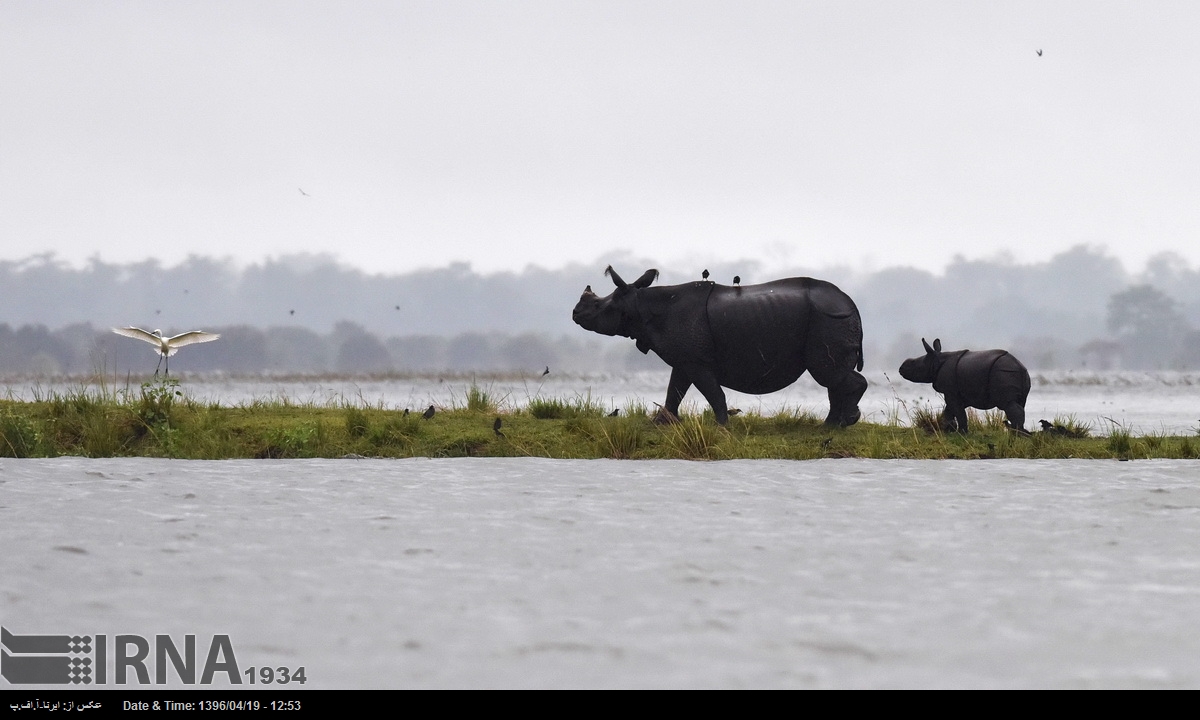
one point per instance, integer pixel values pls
(955, 416)
(705, 381)
(677, 387)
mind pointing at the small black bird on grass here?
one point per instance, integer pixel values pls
(496, 428)
(428, 413)
(614, 412)
(405, 412)
(1056, 429)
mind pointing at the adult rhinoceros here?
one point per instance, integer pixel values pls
(755, 339)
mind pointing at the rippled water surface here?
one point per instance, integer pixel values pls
(534, 573)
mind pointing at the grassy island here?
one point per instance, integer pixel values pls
(160, 420)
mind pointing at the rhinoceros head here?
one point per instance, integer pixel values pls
(923, 369)
(616, 314)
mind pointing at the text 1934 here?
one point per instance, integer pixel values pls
(280, 675)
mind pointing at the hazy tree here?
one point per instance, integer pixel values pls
(1170, 273)
(41, 352)
(418, 353)
(1189, 351)
(1042, 352)
(469, 351)
(1080, 278)
(79, 339)
(1148, 324)
(363, 353)
(1100, 354)
(297, 349)
(241, 349)
(527, 352)
(358, 350)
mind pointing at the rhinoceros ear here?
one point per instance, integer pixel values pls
(615, 277)
(928, 349)
(937, 345)
(647, 277)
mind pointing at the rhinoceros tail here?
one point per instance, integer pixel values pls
(859, 366)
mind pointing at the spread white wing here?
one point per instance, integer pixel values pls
(138, 334)
(189, 338)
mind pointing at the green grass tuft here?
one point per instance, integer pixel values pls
(559, 409)
(357, 422)
(18, 436)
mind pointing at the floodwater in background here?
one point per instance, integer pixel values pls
(537, 573)
(1140, 402)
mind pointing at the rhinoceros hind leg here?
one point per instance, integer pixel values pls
(1015, 413)
(843, 399)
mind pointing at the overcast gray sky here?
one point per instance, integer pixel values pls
(514, 133)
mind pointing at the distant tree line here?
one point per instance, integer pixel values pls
(308, 314)
(349, 349)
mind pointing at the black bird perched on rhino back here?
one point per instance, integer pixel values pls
(982, 379)
(756, 339)
(704, 274)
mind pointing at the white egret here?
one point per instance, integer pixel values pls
(166, 346)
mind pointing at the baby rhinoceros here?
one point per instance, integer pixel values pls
(982, 379)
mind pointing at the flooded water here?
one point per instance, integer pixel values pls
(535, 573)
